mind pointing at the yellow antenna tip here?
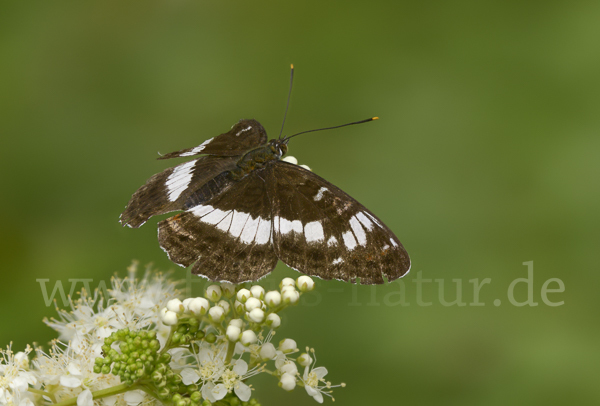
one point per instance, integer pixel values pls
(375, 118)
(292, 65)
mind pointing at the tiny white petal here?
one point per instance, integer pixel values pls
(134, 397)
(85, 398)
(189, 376)
(240, 367)
(243, 391)
(70, 381)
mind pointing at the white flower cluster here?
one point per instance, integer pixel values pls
(143, 345)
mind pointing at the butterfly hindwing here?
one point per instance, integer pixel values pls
(227, 238)
(243, 136)
(169, 190)
(322, 231)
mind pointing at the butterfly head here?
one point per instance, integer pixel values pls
(279, 147)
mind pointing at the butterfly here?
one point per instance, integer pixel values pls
(243, 208)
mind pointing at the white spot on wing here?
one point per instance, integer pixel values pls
(365, 221)
(226, 222)
(359, 232)
(249, 232)
(319, 194)
(201, 210)
(287, 226)
(237, 223)
(374, 219)
(349, 240)
(263, 233)
(338, 261)
(394, 243)
(179, 180)
(198, 149)
(215, 217)
(332, 241)
(245, 129)
(313, 231)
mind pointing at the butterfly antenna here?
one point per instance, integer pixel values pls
(286, 139)
(288, 100)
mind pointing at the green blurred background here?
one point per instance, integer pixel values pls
(486, 156)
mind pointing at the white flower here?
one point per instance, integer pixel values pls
(168, 317)
(199, 306)
(248, 337)
(287, 346)
(15, 377)
(287, 382)
(256, 315)
(213, 392)
(289, 367)
(213, 293)
(175, 305)
(304, 359)
(290, 296)
(305, 283)
(225, 305)
(243, 295)
(216, 314)
(228, 289)
(267, 352)
(253, 303)
(85, 398)
(273, 320)
(273, 298)
(311, 379)
(291, 159)
(287, 282)
(257, 291)
(236, 322)
(232, 379)
(233, 333)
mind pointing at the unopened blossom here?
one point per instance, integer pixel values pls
(253, 303)
(267, 352)
(256, 315)
(273, 298)
(216, 314)
(248, 337)
(287, 282)
(233, 333)
(287, 382)
(287, 346)
(273, 320)
(305, 283)
(243, 295)
(213, 293)
(228, 289)
(199, 306)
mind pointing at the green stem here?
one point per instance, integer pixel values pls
(115, 390)
(43, 393)
(230, 349)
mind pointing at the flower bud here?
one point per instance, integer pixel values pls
(168, 317)
(225, 305)
(305, 283)
(257, 291)
(252, 303)
(267, 352)
(289, 367)
(213, 293)
(233, 333)
(228, 289)
(175, 306)
(287, 382)
(248, 337)
(288, 345)
(273, 320)
(199, 306)
(273, 298)
(287, 282)
(239, 307)
(291, 159)
(256, 315)
(243, 295)
(186, 304)
(290, 296)
(236, 322)
(304, 359)
(216, 314)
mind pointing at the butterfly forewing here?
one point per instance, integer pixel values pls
(168, 191)
(243, 136)
(322, 231)
(227, 238)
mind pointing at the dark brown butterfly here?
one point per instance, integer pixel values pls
(243, 209)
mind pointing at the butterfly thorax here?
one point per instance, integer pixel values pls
(259, 157)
